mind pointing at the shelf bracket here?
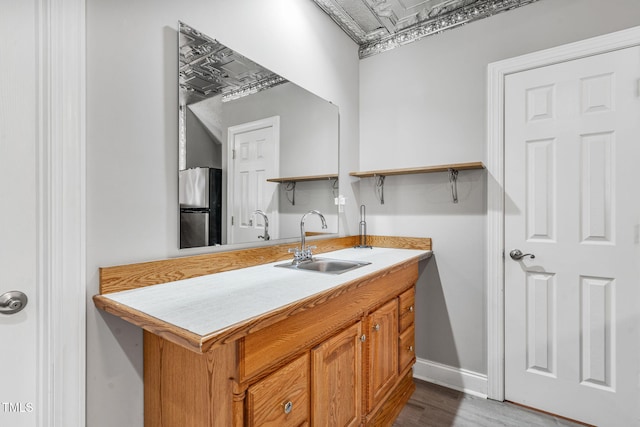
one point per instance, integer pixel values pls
(291, 187)
(453, 180)
(380, 187)
(334, 186)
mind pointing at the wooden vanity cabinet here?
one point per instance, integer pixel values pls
(341, 355)
(337, 360)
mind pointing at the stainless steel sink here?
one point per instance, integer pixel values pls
(325, 265)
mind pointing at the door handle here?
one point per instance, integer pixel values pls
(12, 302)
(517, 255)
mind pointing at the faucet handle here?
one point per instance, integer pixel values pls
(308, 253)
(297, 253)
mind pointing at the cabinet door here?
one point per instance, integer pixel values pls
(336, 379)
(282, 398)
(382, 352)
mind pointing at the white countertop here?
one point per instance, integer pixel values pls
(211, 303)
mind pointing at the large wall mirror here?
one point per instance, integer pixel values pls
(256, 151)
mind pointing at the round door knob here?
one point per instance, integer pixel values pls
(12, 302)
(288, 407)
(376, 327)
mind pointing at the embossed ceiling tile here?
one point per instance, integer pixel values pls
(425, 10)
(380, 25)
(208, 68)
(347, 23)
(360, 12)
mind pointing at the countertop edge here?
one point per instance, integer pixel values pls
(166, 330)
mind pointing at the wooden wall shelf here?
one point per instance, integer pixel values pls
(453, 169)
(303, 178)
(292, 180)
(424, 169)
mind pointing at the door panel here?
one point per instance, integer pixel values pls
(18, 257)
(572, 144)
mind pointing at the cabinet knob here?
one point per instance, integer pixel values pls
(288, 407)
(410, 349)
(411, 309)
(363, 338)
(376, 327)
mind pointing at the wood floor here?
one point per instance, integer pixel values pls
(435, 406)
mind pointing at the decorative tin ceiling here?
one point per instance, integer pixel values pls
(209, 68)
(381, 25)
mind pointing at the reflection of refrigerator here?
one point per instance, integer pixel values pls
(200, 207)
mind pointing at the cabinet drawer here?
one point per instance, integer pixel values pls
(407, 308)
(282, 398)
(407, 348)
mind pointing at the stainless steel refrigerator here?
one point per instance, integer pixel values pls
(200, 192)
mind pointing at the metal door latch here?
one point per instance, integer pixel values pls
(517, 255)
(12, 302)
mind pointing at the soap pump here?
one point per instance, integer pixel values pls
(363, 229)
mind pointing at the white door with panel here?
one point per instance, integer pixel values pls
(572, 308)
(254, 157)
(19, 349)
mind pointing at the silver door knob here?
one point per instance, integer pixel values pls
(12, 302)
(517, 255)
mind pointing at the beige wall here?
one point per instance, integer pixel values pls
(132, 144)
(424, 104)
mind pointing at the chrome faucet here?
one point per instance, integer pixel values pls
(304, 253)
(265, 236)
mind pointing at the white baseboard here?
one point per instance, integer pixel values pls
(456, 378)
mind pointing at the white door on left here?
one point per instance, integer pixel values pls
(18, 225)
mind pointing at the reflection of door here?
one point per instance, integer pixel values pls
(254, 154)
(572, 313)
